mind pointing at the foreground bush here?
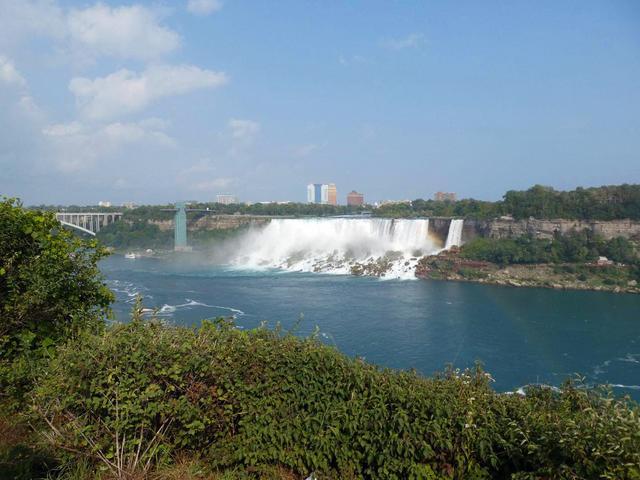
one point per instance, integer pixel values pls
(144, 393)
(50, 289)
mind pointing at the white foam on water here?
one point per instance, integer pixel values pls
(628, 387)
(630, 358)
(334, 245)
(522, 390)
(168, 310)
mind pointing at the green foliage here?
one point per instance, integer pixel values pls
(254, 399)
(574, 247)
(50, 288)
(601, 203)
(609, 202)
(127, 234)
(292, 209)
(467, 208)
(153, 212)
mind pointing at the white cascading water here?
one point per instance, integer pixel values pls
(334, 245)
(454, 237)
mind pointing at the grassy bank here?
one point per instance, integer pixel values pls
(610, 278)
(144, 398)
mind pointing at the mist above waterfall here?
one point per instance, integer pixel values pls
(334, 245)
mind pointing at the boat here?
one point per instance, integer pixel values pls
(130, 255)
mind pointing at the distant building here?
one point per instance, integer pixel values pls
(226, 199)
(104, 204)
(355, 199)
(314, 193)
(332, 194)
(445, 197)
(603, 261)
(319, 193)
(129, 205)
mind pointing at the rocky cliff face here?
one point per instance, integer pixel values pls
(509, 228)
(214, 222)
(163, 225)
(226, 222)
(439, 226)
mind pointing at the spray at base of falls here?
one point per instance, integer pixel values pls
(335, 245)
(388, 248)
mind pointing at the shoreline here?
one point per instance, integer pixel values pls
(449, 266)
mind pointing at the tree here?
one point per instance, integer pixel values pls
(50, 286)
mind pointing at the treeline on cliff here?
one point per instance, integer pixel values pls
(83, 400)
(573, 247)
(612, 202)
(598, 203)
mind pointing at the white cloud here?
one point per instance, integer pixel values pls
(412, 40)
(204, 175)
(9, 74)
(129, 32)
(77, 146)
(25, 19)
(125, 32)
(352, 60)
(243, 134)
(304, 150)
(125, 91)
(213, 184)
(243, 129)
(63, 129)
(203, 7)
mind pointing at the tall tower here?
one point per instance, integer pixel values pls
(324, 194)
(332, 194)
(316, 193)
(180, 219)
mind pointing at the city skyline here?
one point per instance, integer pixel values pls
(399, 99)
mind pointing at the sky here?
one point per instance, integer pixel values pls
(157, 102)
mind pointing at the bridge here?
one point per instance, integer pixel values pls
(88, 222)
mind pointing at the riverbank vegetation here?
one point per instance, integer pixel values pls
(82, 400)
(573, 247)
(576, 260)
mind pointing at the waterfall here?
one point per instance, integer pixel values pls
(454, 237)
(334, 245)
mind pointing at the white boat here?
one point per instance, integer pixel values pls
(130, 255)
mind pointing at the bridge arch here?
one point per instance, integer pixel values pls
(77, 227)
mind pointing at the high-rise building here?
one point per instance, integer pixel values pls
(319, 193)
(445, 197)
(102, 203)
(226, 199)
(332, 194)
(324, 194)
(314, 193)
(355, 199)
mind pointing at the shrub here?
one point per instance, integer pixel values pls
(574, 247)
(50, 288)
(258, 399)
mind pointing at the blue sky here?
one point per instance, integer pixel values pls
(162, 101)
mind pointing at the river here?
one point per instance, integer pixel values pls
(521, 336)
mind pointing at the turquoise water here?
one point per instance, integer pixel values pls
(522, 336)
